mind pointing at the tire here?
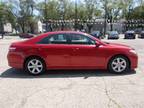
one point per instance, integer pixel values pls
(35, 66)
(118, 65)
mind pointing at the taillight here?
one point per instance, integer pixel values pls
(11, 48)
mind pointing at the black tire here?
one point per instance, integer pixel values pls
(123, 71)
(41, 62)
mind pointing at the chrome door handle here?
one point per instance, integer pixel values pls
(77, 48)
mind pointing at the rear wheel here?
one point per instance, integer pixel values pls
(119, 64)
(35, 66)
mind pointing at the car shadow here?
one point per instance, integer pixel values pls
(13, 73)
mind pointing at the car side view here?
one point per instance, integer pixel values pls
(70, 50)
(26, 35)
(141, 35)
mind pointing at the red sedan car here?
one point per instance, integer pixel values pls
(70, 50)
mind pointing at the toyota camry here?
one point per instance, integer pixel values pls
(70, 50)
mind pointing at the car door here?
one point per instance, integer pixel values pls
(56, 50)
(84, 54)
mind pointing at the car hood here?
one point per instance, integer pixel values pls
(118, 45)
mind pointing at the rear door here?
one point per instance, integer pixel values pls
(56, 50)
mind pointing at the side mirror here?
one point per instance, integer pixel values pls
(97, 44)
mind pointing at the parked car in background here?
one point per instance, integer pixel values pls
(113, 35)
(130, 35)
(141, 35)
(26, 35)
(137, 31)
(70, 50)
(97, 34)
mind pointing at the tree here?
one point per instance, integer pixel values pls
(115, 9)
(48, 10)
(23, 12)
(6, 15)
(25, 15)
(91, 11)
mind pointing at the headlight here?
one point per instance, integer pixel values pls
(133, 51)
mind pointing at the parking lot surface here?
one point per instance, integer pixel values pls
(72, 89)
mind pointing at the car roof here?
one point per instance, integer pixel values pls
(112, 32)
(57, 32)
(37, 38)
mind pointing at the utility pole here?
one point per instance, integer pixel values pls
(62, 11)
(46, 17)
(76, 15)
(105, 16)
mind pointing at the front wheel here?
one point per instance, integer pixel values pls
(34, 66)
(119, 64)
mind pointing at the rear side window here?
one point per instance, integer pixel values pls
(57, 39)
(54, 39)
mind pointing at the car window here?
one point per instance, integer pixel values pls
(55, 39)
(114, 32)
(81, 39)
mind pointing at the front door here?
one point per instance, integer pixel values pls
(84, 54)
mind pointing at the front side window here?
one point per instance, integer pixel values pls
(81, 39)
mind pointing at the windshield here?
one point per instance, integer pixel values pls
(114, 32)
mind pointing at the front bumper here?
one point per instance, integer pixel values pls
(129, 36)
(134, 61)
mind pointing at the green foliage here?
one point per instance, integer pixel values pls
(23, 14)
(137, 13)
(6, 15)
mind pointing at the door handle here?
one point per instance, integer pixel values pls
(75, 49)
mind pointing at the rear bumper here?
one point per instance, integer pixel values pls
(15, 60)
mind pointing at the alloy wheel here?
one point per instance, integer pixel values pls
(35, 66)
(119, 64)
